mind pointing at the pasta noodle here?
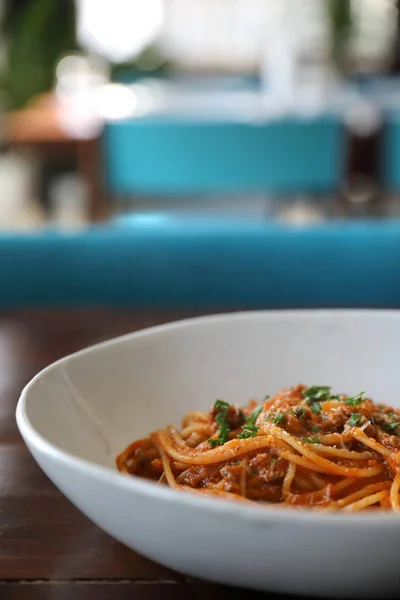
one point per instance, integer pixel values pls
(306, 448)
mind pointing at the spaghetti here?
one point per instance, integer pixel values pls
(305, 448)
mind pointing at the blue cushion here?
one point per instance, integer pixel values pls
(390, 152)
(204, 265)
(181, 156)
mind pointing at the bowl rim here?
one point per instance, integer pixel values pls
(255, 514)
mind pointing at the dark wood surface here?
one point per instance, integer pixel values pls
(48, 549)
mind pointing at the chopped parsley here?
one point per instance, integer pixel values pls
(391, 427)
(354, 400)
(253, 473)
(249, 428)
(316, 394)
(311, 440)
(298, 412)
(314, 429)
(316, 407)
(266, 397)
(356, 419)
(279, 418)
(220, 404)
(224, 429)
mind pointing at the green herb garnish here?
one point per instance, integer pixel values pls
(298, 412)
(317, 392)
(315, 395)
(356, 419)
(266, 397)
(224, 428)
(311, 440)
(221, 405)
(391, 427)
(354, 400)
(279, 418)
(314, 429)
(249, 427)
(316, 407)
(251, 420)
(253, 473)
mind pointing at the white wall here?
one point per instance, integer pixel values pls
(222, 33)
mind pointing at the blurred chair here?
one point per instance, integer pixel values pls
(178, 156)
(390, 152)
(384, 94)
(165, 264)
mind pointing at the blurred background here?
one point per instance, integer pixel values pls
(215, 153)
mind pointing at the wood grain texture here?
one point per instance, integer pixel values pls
(125, 590)
(48, 549)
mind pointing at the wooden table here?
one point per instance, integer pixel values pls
(48, 549)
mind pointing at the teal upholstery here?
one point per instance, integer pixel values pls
(182, 156)
(205, 264)
(390, 152)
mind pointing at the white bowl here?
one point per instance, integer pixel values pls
(77, 414)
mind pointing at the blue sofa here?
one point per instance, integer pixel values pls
(173, 263)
